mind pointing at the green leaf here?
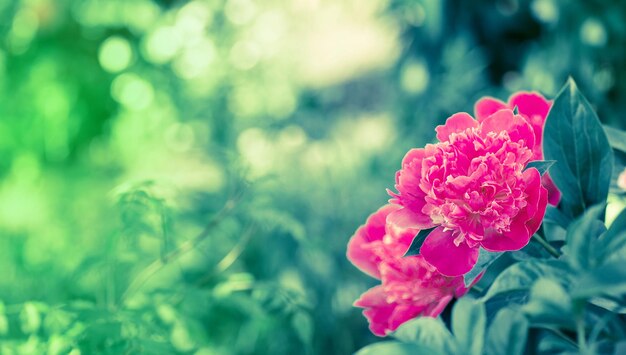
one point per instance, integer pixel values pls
(303, 325)
(608, 280)
(485, 258)
(522, 275)
(396, 348)
(428, 332)
(557, 217)
(541, 165)
(616, 137)
(417, 242)
(582, 238)
(507, 333)
(549, 303)
(468, 325)
(507, 299)
(614, 239)
(574, 137)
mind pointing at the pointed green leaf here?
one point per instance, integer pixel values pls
(468, 325)
(417, 242)
(574, 137)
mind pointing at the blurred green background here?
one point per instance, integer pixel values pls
(183, 177)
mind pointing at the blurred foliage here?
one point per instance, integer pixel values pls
(184, 176)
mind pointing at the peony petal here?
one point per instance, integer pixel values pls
(436, 309)
(406, 218)
(403, 313)
(458, 122)
(554, 195)
(361, 256)
(517, 127)
(515, 239)
(377, 310)
(537, 200)
(487, 106)
(530, 104)
(359, 252)
(440, 251)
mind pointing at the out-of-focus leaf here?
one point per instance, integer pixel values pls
(582, 238)
(485, 258)
(574, 138)
(549, 303)
(614, 239)
(416, 244)
(468, 325)
(396, 347)
(616, 137)
(507, 333)
(557, 217)
(30, 318)
(507, 299)
(303, 325)
(608, 279)
(427, 332)
(522, 275)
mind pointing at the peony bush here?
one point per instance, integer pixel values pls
(505, 212)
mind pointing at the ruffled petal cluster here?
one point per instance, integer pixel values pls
(534, 109)
(473, 188)
(410, 286)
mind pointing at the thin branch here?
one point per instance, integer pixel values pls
(549, 248)
(149, 271)
(230, 257)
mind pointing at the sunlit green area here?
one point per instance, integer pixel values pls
(183, 176)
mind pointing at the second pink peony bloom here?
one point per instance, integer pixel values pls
(473, 188)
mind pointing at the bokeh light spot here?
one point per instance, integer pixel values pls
(115, 54)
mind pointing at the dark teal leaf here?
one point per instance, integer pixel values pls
(607, 280)
(468, 325)
(522, 275)
(616, 137)
(428, 332)
(582, 238)
(541, 165)
(396, 347)
(574, 137)
(507, 333)
(557, 217)
(614, 239)
(485, 258)
(417, 242)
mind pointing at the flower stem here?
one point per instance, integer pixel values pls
(549, 248)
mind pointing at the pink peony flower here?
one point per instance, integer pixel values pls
(473, 189)
(534, 109)
(410, 286)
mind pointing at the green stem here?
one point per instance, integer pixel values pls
(478, 289)
(580, 332)
(549, 248)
